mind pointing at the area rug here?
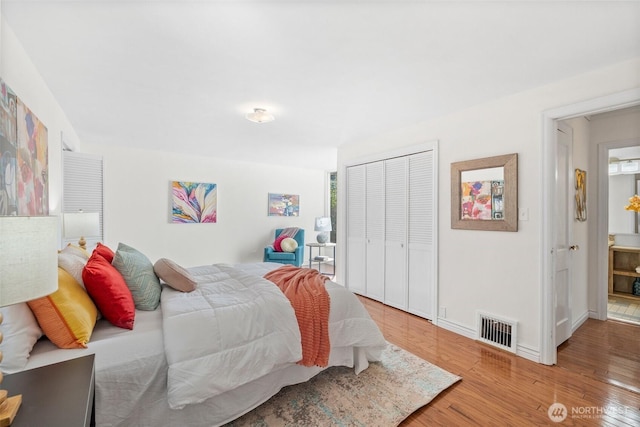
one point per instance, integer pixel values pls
(383, 395)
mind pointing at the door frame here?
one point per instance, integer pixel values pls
(629, 98)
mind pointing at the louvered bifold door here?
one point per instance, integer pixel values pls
(375, 231)
(356, 218)
(421, 254)
(395, 260)
(83, 188)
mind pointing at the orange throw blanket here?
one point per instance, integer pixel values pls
(305, 289)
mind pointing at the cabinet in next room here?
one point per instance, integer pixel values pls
(622, 272)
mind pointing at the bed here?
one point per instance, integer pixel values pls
(135, 373)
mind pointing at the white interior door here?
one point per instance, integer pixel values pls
(395, 271)
(421, 242)
(564, 223)
(374, 253)
(356, 216)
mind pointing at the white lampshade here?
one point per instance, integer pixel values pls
(28, 258)
(323, 223)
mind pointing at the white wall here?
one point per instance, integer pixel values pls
(138, 204)
(617, 127)
(621, 187)
(498, 272)
(17, 70)
(137, 185)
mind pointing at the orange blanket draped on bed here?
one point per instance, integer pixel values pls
(305, 289)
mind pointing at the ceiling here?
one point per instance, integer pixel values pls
(181, 75)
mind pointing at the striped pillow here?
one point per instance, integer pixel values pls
(68, 315)
(137, 271)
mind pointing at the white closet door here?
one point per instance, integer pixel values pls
(356, 217)
(395, 261)
(421, 235)
(375, 230)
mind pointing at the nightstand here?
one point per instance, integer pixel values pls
(320, 259)
(55, 395)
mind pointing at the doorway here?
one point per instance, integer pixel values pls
(623, 303)
(597, 343)
(548, 350)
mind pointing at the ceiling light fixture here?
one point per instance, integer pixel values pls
(260, 115)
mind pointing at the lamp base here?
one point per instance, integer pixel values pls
(322, 237)
(8, 408)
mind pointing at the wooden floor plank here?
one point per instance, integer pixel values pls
(597, 377)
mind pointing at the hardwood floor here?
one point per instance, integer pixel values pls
(499, 388)
(606, 351)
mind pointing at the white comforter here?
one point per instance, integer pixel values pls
(234, 328)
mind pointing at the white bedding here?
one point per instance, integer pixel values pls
(131, 367)
(233, 322)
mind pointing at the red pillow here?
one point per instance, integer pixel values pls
(105, 252)
(277, 242)
(109, 291)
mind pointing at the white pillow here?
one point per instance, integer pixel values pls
(72, 264)
(289, 245)
(21, 331)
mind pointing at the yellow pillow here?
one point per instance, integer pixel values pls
(68, 315)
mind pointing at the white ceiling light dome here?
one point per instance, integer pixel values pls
(260, 115)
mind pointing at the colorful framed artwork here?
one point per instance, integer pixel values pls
(484, 194)
(8, 150)
(32, 159)
(24, 158)
(194, 202)
(284, 204)
(581, 195)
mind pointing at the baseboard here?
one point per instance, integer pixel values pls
(528, 353)
(456, 328)
(579, 321)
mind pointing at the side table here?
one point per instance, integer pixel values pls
(321, 259)
(61, 394)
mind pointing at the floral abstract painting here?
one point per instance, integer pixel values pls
(284, 204)
(24, 158)
(32, 158)
(194, 202)
(482, 200)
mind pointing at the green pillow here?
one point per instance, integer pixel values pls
(138, 273)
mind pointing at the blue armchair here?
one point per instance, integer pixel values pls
(293, 258)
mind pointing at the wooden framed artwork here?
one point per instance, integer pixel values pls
(484, 194)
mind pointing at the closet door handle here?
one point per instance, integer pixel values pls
(574, 247)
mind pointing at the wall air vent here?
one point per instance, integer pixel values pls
(497, 331)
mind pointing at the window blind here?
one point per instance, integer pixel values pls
(83, 188)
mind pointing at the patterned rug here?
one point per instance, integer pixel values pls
(383, 395)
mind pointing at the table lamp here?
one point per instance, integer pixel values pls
(28, 270)
(323, 225)
(78, 225)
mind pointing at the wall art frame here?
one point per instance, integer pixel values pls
(284, 204)
(581, 195)
(484, 194)
(194, 202)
